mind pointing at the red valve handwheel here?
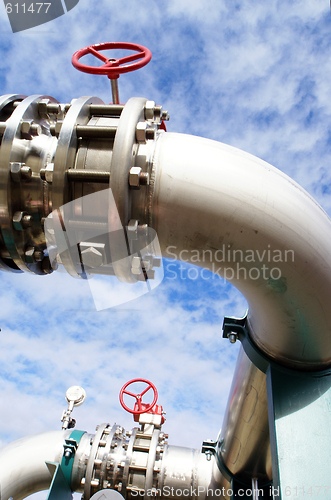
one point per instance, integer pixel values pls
(138, 397)
(112, 67)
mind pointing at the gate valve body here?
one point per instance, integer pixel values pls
(156, 410)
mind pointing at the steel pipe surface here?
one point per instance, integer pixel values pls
(23, 470)
(244, 442)
(230, 212)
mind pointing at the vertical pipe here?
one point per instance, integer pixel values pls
(244, 443)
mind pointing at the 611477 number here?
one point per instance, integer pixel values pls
(38, 8)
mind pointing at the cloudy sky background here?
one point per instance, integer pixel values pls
(255, 75)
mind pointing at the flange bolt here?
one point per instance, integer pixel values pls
(233, 337)
(22, 220)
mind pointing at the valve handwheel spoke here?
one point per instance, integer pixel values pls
(148, 388)
(138, 397)
(129, 394)
(91, 50)
(133, 57)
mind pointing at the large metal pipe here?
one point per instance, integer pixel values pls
(225, 210)
(136, 463)
(244, 442)
(232, 213)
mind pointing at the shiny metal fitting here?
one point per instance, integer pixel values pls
(28, 128)
(150, 133)
(46, 107)
(22, 220)
(20, 171)
(46, 174)
(165, 116)
(55, 128)
(93, 254)
(233, 337)
(134, 177)
(33, 254)
(153, 112)
(141, 132)
(149, 110)
(138, 178)
(133, 229)
(144, 132)
(136, 265)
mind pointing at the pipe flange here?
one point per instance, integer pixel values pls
(6, 110)
(78, 114)
(128, 459)
(106, 452)
(151, 463)
(18, 142)
(122, 161)
(6, 104)
(91, 460)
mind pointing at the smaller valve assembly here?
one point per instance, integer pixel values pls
(131, 462)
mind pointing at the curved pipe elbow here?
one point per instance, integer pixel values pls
(23, 468)
(222, 209)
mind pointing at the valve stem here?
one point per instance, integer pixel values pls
(114, 90)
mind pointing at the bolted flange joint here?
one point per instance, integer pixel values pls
(55, 128)
(30, 129)
(138, 178)
(165, 116)
(144, 132)
(33, 254)
(22, 220)
(46, 107)
(46, 174)
(20, 171)
(154, 112)
(93, 254)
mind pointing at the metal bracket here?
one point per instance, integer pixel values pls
(236, 328)
(70, 448)
(209, 448)
(60, 489)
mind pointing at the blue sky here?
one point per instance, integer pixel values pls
(255, 75)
